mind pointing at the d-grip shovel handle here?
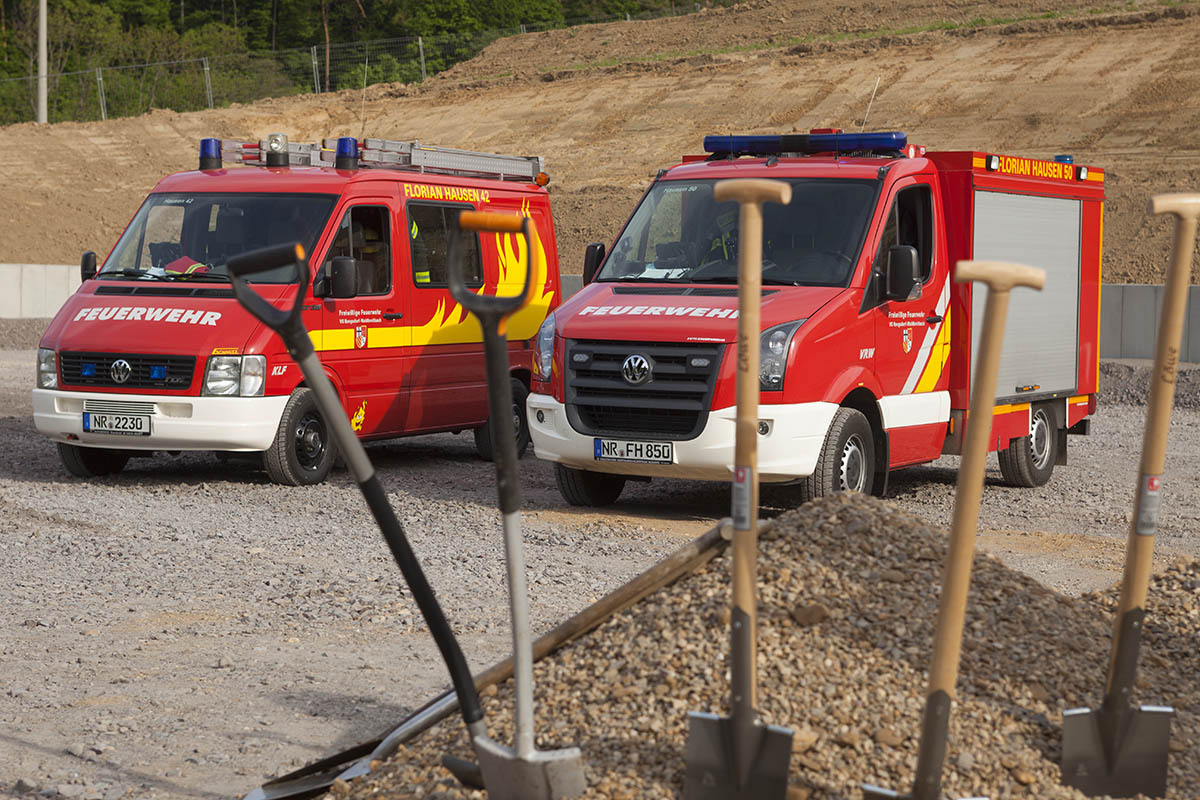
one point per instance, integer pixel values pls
(291, 329)
(489, 307)
(1000, 276)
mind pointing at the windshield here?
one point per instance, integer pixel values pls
(679, 233)
(179, 236)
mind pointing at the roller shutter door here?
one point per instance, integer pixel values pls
(1041, 337)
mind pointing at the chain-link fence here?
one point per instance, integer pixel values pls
(218, 80)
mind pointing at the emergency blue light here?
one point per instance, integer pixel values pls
(347, 153)
(157, 373)
(1064, 159)
(87, 370)
(808, 143)
(210, 154)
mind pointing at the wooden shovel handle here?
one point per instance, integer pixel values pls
(753, 190)
(1000, 276)
(1185, 205)
(490, 221)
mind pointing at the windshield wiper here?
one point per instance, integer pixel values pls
(213, 277)
(131, 273)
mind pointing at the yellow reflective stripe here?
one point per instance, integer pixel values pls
(978, 163)
(1011, 408)
(1083, 398)
(389, 337)
(937, 358)
(422, 277)
(1095, 176)
(333, 339)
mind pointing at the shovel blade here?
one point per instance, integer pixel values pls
(712, 771)
(543, 775)
(1139, 761)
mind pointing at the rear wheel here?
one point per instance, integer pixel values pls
(91, 462)
(582, 488)
(1029, 461)
(847, 459)
(483, 434)
(303, 451)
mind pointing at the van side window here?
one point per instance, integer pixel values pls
(909, 222)
(365, 235)
(429, 229)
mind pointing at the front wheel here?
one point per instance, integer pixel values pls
(1029, 461)
(303, 451)
(91, 462)
(483, 434)
(582, 488)
(847, 459)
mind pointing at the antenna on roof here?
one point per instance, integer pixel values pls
(869, 104)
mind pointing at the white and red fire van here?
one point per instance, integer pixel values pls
(154, 353)
(867, 343)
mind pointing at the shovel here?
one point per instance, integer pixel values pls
(736, 757)
(1121, 749)
(956, 576)
(287, 323)
(522, 772)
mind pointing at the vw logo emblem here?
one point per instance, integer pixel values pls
(120, 370)
(636, 369)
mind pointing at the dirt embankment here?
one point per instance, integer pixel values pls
(610, 104)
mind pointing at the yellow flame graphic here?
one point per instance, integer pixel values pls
(360, 416)
(457, 326)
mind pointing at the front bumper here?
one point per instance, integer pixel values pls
(176, 423)
(787, 452)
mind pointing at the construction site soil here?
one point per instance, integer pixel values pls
(192, 684)
(608, 105)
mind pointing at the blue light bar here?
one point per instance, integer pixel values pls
(347, 153)
(210, 154)
(875, 142)
(1064, 159)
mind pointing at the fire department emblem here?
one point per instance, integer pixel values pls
(360, 336)
(907, 344)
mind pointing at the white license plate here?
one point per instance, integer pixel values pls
(645, 452)
(119, 424)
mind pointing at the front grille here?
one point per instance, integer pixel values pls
(673, 404)
(147, 371)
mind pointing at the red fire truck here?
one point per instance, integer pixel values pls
(153, 353)
(867, 344)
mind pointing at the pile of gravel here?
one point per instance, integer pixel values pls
(1127, 383)
(848, 601)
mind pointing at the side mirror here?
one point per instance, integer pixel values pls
(591, 261)
(87, 266)
(343, 277)
(903, 273)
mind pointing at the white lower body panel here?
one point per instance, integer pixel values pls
(787, 452)
(176, 423)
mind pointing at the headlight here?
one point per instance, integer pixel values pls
(254, 375)
(773, 346)
(231, 376)
(47, 369)
(543, 350)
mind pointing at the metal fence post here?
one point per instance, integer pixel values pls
(421, 52)
(316, 72)
(522, 27)
(207, 82)
(100, 93)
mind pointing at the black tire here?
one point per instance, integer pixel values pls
(847, 459)
(483, 434)
(1029, 461)
(304, 450)
(92, 462)
(582, 488)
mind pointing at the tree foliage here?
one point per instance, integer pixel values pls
(247, 43)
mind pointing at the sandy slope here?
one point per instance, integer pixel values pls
(1121, 91)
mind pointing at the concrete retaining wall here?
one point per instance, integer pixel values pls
(1129, 313)
(35, 290)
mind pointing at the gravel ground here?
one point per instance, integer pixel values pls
(845, 623)
(187, 629)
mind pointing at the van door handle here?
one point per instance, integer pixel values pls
(392, 315)
(932, 319)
